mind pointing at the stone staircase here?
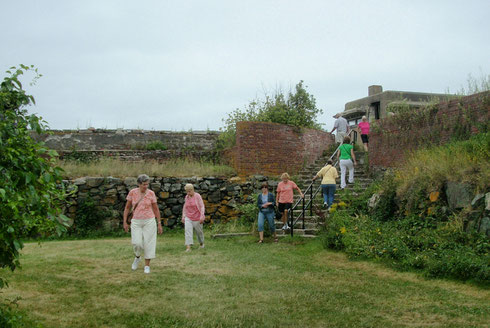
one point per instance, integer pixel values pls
(303, 180)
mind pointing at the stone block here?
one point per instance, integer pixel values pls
(130, 182)
(459, 195)
(487, 201)
(164, 194)
(176, 209)
(94, 182)
(79, 181)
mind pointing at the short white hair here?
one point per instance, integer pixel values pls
(189, 187)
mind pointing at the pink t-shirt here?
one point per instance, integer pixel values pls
(364, 126)
(144, 209)
(285, 191)
(193, 207)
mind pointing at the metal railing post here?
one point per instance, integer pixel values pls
(311, 200)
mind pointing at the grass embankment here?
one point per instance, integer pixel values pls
(413, 225)
(120, 169)
(231, 283)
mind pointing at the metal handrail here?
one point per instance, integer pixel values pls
(291, 220)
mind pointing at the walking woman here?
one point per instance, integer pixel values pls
(364, 129)
(284, 199)
(265, 203)
(193, 217)
(345, 156)
(143, 204)
(328, 173)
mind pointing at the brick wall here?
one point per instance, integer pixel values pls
(271, 148)
(395, 136)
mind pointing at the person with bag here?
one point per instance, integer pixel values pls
(265, 203)
(328, 173)
(193, 215)
(141, 210)
(345, 156)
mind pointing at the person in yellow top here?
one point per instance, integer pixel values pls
(328, 173)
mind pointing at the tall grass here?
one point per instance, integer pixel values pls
(460, 161)
(120, 169)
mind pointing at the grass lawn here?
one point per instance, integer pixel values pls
(231, 283)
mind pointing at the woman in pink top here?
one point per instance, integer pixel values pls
(193, 217)
(143, 202)
(364, 127)
(284, 198)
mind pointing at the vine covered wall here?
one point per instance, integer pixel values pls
(393, 137)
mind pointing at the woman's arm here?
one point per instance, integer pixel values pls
(353, 155)
(202, 209)
(302, 196)
(156, 211)
(127, 208)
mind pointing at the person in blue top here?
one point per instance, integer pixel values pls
(345, 156)
(265, 203)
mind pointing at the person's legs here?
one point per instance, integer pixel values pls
(137, 237)
(261, 225)
(331, 194)
(189, 238)
(137, 242)
(325, 193)
(149, 239)
(350, 165)
(198, 227)
(343, 168)
(272, 226)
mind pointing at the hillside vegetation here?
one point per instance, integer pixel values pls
(412, 221)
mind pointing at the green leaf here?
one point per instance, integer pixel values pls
(17, 245)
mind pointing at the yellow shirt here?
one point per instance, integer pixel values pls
(328, 174)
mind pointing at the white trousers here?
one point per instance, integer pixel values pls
(144, 237)
(190, 226)
(344, 165)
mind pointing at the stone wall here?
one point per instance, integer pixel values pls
(220, 196)
(271, 148)
(394, 137)
(128, 143)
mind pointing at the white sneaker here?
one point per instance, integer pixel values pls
(284, 227)
(202, 246)
(136, 261)
(147, 269)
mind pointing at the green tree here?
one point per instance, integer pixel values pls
(297, 108)
(30, 184)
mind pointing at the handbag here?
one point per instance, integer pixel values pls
(130, 215)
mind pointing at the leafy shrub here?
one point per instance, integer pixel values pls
(155, 145)
(89, 217)
(30, 195)
(11, 317)
(438, 249)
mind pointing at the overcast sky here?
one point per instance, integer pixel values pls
(180, 65)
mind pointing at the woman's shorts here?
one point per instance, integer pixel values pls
(284, 206)
(365, 138)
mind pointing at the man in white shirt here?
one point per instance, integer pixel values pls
(342, 128)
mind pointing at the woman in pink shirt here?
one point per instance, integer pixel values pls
(364, 127)
(143, 202)
(193, 217)
(284, 198)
